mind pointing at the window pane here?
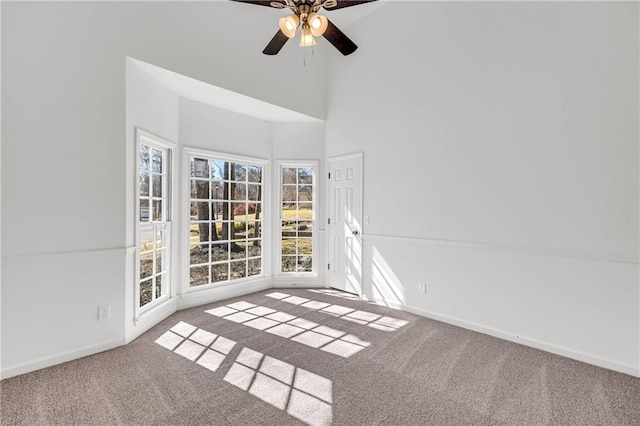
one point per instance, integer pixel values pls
(238, 250)
(194, 233)
(200, 210)
(255, 266)
(304, 264)
(159, 261)
(239, 172)
(254, 248)
(288, 211)
(144, 210)
(145, 292)
(255, 210)
(238, 269)
(199, 254)
(255, 173)
(305, 228)
(289, 228)
(255, 229)
(160, 239)
(219, 252)
(289, 246)
(146, 265)
(144, 158)
(157, 185)
(240, 228)
(305, 211)
(223, 230)
(157, 210)
(157, 161)
(239, 209)
(289, 175)
(159, 284)
(200, 189)
(146, 238)
(239, 191)
(305, 175)
(198, 275)
(219, 230)
(288, 263)
(199, 168)
(219, 272)
(143, 184)
(289, 192)
(305, 246)
(305, 193)
(254, 192)
(219, 170)
(217, 192)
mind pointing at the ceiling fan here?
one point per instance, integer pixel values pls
(305, 14)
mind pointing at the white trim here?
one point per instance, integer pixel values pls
(153, 139)
(49, 361)
(514, 248)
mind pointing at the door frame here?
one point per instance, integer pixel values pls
(359, 156)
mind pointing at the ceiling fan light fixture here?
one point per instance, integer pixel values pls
(288, 25)
(306, 38)
(318, 24)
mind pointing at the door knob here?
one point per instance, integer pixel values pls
(355, 232)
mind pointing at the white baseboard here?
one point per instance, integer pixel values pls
(41, 363)
(523, 340)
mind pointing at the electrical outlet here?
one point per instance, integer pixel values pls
(422, 287)
(104, 312)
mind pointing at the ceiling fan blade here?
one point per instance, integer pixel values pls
(257, 2)
(339, 40)
(276, 43)
(348, 3)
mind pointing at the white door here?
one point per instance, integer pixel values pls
(345, 223)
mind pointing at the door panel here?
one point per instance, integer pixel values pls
(345, 212)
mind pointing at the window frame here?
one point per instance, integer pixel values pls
(187, 154)
(153, 141)
(314, 165)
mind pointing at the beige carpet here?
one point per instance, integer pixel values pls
(298, 356)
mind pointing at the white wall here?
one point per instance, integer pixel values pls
(66, 147)
(500, 146)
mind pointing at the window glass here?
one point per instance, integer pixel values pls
(225, 234)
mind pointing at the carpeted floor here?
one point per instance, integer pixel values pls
(300, 356)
